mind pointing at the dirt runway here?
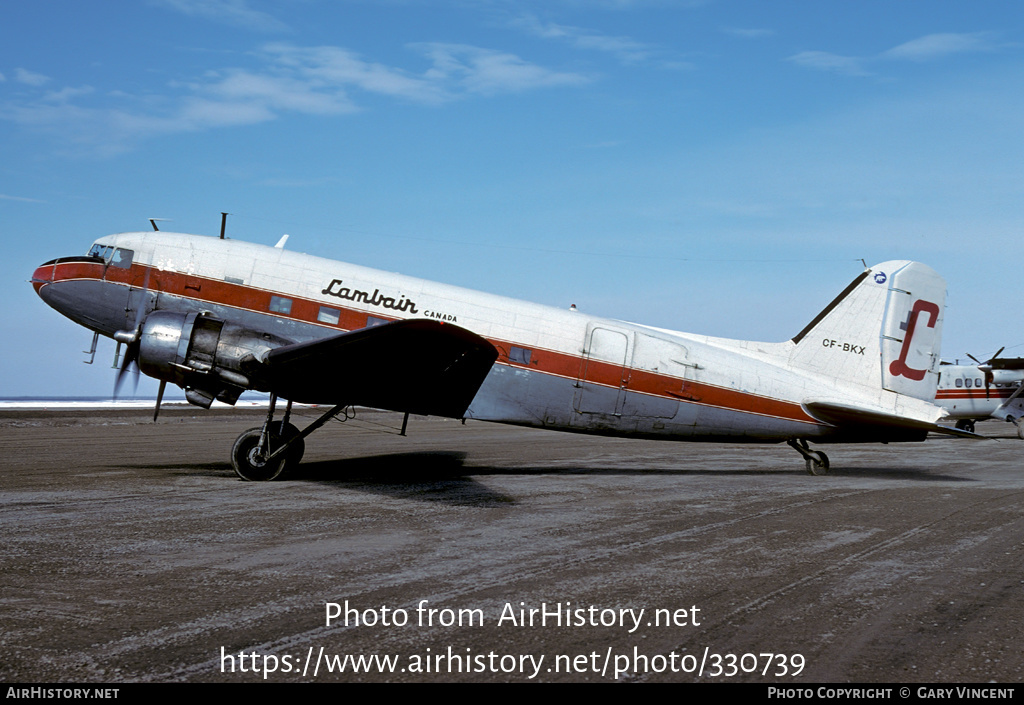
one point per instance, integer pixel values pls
(131, 552)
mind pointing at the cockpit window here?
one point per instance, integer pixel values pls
(119, 256)
(122, 258)
(101, 251)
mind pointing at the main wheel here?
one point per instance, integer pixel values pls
(248, 462)
(285, 431)
(817, 463)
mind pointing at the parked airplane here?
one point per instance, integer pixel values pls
(990, 389)
(218, 317)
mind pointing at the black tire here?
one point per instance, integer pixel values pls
(247, 466)
(819, 465)
(966, 425)
(297, 449)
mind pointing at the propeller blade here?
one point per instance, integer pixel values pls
(973, 358)
(131, 355)
(159, 398)
(997, 353)
(131, 338)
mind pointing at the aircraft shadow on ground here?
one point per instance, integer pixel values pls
(433, 466)
(439, 476)
(443, 476)
(900, 473)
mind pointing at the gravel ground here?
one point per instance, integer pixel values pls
(131, 552)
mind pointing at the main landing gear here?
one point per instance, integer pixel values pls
(262, 454)
(817, 461)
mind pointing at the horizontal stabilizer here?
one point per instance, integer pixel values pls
(859, 420)
(419, 366)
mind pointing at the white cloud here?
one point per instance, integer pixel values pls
(625, 49)
(477, 70)
(934, 46)
(22, 199)
(927, 48)
(30, 78)
(67, 93)
(233, 12)
(306, 80)
(277, 93)
(327, 66)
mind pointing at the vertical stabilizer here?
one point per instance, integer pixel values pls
(883, 332)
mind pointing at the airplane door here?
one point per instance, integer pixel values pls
(600, 388)
(657, 378)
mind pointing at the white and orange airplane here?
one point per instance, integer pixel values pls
(992, 389)
(218, 317)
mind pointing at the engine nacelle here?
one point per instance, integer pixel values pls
(1007, 377)
(207, 357)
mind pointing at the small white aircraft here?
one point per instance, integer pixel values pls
(991, 389)
(218, 317)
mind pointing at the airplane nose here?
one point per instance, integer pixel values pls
(42, 276)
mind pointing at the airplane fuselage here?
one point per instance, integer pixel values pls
(556, 368)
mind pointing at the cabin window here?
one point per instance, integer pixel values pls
(520, 355)
(122, 258)
(977, 382)
(967, 382)
(959, 382)
(372, 321)
(329, 315)
(279, 304)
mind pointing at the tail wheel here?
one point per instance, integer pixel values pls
(252, 465)
(817, 463)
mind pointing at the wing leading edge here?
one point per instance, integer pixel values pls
(419, 366)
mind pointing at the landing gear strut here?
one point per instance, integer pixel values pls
(262, 454)
(817, 461)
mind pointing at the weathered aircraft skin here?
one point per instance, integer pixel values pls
(866, 369)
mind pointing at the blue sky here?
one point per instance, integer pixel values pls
(713, 167)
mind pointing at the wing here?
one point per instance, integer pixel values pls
(420, 366)
(876, 424)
